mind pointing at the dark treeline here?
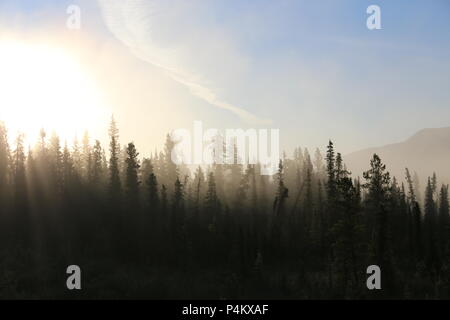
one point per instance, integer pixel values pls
(146, 228)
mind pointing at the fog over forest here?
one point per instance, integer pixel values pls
(226, 231)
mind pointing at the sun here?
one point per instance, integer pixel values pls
(43, 86)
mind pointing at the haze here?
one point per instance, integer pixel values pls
(313, 70)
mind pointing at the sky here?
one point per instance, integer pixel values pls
(311, 69)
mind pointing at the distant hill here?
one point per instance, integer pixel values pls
(425, 152)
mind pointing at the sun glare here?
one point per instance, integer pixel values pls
(44, 87)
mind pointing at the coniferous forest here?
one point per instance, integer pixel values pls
(146, 228)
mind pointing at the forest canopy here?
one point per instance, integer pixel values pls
(147, 228)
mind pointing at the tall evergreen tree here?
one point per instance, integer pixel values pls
(416, 182)
(444, 219)
(282, 193)
(152, 185)
(76, 156)
(20, 186)
(132, 178)
(97, 175)
(348, 240)
(115, 187)
(86, 158)
(211, 200)
(199, 180)
(5, 162)
(164, 205)
(68, 170)
(378, 187)
(430, 227)
(170, 169)
(331, 185)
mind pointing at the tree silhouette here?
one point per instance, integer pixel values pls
(114, 174)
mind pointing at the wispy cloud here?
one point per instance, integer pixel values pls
(156, 32)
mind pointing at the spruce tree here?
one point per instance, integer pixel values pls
(132, 178)
(348, 240)
(430, 227)
(199, 180)
(115, 188)
(177, 218)
(164, 206)
(20, 187)
(152, 185)
(170, 169)
(5, 162)
(68, 170)
(211, 201)
(444, 226)
(86, 158)
(377, 203)
(331, 186)
(97, 164)
(281, 193)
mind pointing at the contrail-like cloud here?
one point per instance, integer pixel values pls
(150, 28)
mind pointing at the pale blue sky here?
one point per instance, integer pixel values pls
(310, 68)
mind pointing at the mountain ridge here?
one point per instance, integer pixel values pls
(425, 152)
